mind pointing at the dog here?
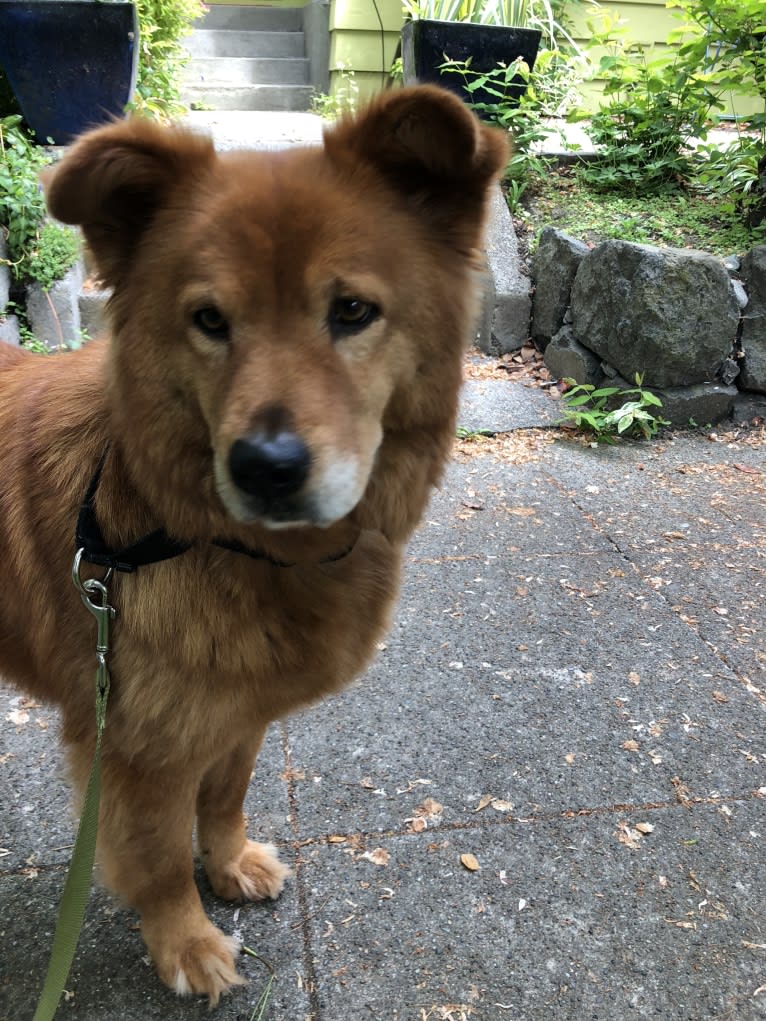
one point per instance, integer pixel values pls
(240, 463)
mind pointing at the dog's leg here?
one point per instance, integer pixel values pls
(145, 856)
(237, 867)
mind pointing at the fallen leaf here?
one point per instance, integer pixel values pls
(630, 746)
(416, 825)
(501, 806)
(430, 807)
(378, 857)
(486, 799)
(470, 862)
(644, 828)
(627, 836)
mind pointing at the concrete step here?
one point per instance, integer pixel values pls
(252, 97)
(247, 71)
(221, 43)
(255, 19)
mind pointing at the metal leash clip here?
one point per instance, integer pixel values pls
(95, 596)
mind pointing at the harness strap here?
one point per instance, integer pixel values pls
(156, 546)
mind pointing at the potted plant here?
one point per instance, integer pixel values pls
(70, 63)
(486, 33)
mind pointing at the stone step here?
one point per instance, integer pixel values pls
(208, 71)
(249, 97)
(220, 43)
(231, 17)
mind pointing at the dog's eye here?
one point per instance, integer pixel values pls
(348, 315)
(211, 321)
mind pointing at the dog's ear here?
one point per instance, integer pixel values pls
(114, 178)
(429, 146)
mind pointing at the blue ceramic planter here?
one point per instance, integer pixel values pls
(71, 63)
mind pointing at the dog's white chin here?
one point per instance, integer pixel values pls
(338, 491)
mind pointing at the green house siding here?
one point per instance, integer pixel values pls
(359, 44)
(364, 41)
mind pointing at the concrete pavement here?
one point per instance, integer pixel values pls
(573, 693)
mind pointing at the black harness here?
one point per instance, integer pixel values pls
(157, 545)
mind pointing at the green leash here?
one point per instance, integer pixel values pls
(74, 900)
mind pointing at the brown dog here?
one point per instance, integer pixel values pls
(276, 401)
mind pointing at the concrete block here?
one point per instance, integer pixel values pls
(483, 337)
(705, 403)
(92, 306)
(54, 316)
(5, 274)
(513, 303)
(9, 330)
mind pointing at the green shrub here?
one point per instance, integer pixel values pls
(22, 206)
(521, 98)
(37, 251)
(652, 108)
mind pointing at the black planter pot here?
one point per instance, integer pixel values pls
(426, 44)
(71, 63)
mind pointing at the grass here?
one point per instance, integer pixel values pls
(680, 219)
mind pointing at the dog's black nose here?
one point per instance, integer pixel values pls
(269, 466)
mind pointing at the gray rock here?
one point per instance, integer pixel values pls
(749, 407)
(54, 316)
(553, 270)
(512, 303)
(9, 330)
(669, 314)
(703, 403)
(753, 375)
(730, 369)
(565, 357)
(732, 263)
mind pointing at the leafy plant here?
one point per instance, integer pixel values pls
(608, 412)
(162, 24)
(54, 252)
(344, 98)
(37, 250)
(520, 98)
(653, 107)
(726, 40)
(22, 207)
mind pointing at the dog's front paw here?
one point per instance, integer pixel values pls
(255, 875)
(201, 963)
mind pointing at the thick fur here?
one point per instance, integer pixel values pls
(210, 647)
